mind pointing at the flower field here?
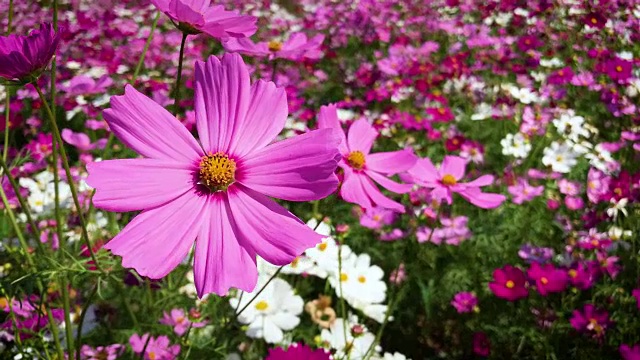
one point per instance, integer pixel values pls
(319, 179)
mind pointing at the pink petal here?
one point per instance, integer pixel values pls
(230, 22)
(246, 46)
(264, 120)
(482, 200)
(158, 239)
(187, 13)
(453, 165)
(138, 184)
(424, 173)
(361, 136)
(328, 118)
(222, 94)
(300, 168)
(378, 198)
(352, 190)
(391, 162)
(149, 129)
(388, 183)
(267, 228)
(220, 261)
(484, 180)
(80, 140)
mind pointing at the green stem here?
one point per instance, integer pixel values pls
(68, 325)
(146, 48)
(7, 123)
(56, 175)
(23, 204)
(176, 105)
(65, 164)
(16, 227)
(260, 291)
(82, 316)
(55, 334)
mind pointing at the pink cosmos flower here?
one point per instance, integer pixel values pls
(360, 167)
(590, 320)
(298, 352)
(180, 321)
(110, 352)
(465, 302)
(296, 48)
(445, 181)
(157, 348)
(86, 85)
(376, 218)
(509, 283)
(22, 58)
(81, 141)
(630, 353)
(195, 16)
(636, 294)
(522, 191)
(216, 190)
(548, 279)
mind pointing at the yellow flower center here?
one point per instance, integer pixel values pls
(544, 280)
(262, 305)
(217, 171)
(619, 68)
(594, 21)
(152, 355)
(362, 279)
(344, 277)
(322, 247)
(510, 284)
(4, 303)
(295, 261)
(275, 45)
(356, 160)
(449, 180)
(573, 273)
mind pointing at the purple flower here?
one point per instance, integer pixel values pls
(22, 58)
(298, 351)
(465, 302)
(180, 321)
(481, 344)
(630, 353)
(530, 253)
(110, 352)
(377, 217)
(636, 294)
(522, 191)
(590, 320)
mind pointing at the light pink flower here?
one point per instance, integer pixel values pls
(296, 48)
(156, 348)
(194, 16)
(214, 192)
(360, 167)
(180, 321)
(81, 141)
(446, 180)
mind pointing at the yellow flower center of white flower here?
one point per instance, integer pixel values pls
(449, 180)
(362, 279)
(217, 171)
(322, 247)
(262, 305)
(356, 160)
(344, 277)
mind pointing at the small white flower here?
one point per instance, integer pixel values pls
(617, 207)
(559, 157)
(358, 339)
(617, 233)
(483, 111)
(571, 126)
(360, 281)
(274, 311)
(516, 145)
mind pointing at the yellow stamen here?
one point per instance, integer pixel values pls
(510, 284)
(544, 280)
(362, 279)
(344, 277)
(262, 305)
(619, 68)
(217, 171)
(275, 45)
(449, 180)
(356, 160)
(322, 247)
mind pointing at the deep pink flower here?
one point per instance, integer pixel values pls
(440, 114)
(180, 321)
(590, 320)
(481, 344)
(215, 190)
(81, 141)
(618, 69)
(548, 279)
(581, 277)
(376, 218)
(445, 181)
(561, 76)
(86, 85)
(109, 352)
(157, 348)
(360, 167)
(630, 353)
(636, 294)
(22, 58)
(465, 302)
(298, 352)
(595, 20)
(195, 16)
(296, 48)
(509, 283)
(40, 147)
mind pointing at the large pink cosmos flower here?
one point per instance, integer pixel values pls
(215, 190)
(22, 58)
(360, 167)
(297, 48)
(445, 181)
(195, 16)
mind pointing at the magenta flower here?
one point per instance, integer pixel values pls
(81, 141)
(298, 352)
(296, 48)
(522, 191)
(22, 58)
(590, 320)
(636, 294)
(196, 16)
(618, 69)
(509, 283)
(445, 181)
(481, 344)
(180, 321)
(465, 302)
(156, 349)
(360, 167)
(216, 190)
(581, 277)
(548, 279)
(376, 218)
(630, 353)
(110, 352)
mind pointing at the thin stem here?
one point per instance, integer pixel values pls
(68, 325)
(260, 291)
(146, 48)
(274, 70)
(16, 227)
(23, 204)
(82, 316)
(54, 159)
(176, 105)
(7, 108)
(65, 164)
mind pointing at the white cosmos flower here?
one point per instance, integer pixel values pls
(361, 282)
(617, 207)
(390, 356)
(560, 157)
(358, 339)
(572, 126)
(516, 145)
(483, 111)
(42, 193)
(274, 311)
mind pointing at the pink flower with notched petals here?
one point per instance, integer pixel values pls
(362, 168)
(214, 192)
(445, 181)
(195, 16)
(296, 48)
(509, 283)
(110, 352)
(180, 321)
(523, 191)
(548, 279)
(154, 348)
